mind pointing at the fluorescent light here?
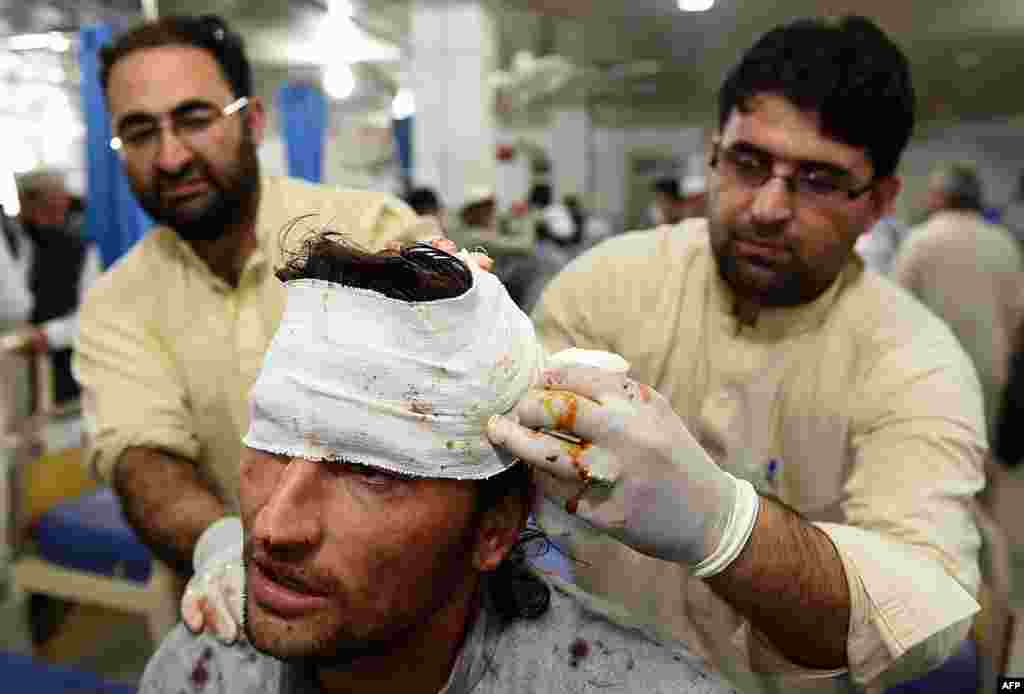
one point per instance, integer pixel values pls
(38, 42)
(696, 5)
(339, 80)
(404, 104)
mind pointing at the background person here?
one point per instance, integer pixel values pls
(58, 265)
(969, 273)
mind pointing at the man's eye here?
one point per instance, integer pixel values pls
(820, 182)
(747, 162)
(375, 476)
(139, 136)
(194, 123)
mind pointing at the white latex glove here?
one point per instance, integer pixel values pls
(213, 596)
(656, 489)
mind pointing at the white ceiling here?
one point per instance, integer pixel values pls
(966, 56)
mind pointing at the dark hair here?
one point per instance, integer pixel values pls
(541, 195)
(423, 201)
(962, 186)
(415, 273)
(667, 186)
(846, 70)
(423, 273)
(208, 32)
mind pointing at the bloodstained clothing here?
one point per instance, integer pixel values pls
(578, 644)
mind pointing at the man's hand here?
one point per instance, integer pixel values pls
(27, 340)
(214, 595)
(637, 474)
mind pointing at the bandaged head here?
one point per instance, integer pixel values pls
(406, 386)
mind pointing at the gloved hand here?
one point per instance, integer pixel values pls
(637, 475)
(213, 596)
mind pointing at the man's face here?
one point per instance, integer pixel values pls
(197, 191)
(773, 246)
(480, 214)
(344, 560)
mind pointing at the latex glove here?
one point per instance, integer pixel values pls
(658, 491)
(29, 339)
(483, 261)
(213, 596)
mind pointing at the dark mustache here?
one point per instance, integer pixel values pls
(307, 581)
(167, 179)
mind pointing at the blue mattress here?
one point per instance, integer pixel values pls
(90, 533)
(22, 674)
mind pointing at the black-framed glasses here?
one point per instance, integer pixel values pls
(813, 181)
(138, 134)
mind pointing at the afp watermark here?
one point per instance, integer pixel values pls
(1011, 684)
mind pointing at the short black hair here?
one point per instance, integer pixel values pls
(207, 32)
(423, 201)
(418, 272)
(541, 195)
(844, 69)
(667, 186)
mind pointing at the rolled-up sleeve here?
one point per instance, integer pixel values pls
(132, 394)
(910, 543)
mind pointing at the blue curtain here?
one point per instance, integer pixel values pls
(303, 110)
(113, 217)
(403, 141)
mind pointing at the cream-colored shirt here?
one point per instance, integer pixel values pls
(969, 273)
(860, 410)
(168, 351)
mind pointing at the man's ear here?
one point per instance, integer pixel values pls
(256, 117)
(884, 195)
(498, 532)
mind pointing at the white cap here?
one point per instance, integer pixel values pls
(693, 184)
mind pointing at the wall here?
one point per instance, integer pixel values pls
(611, 149)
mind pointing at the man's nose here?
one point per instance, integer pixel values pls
(290, 521)
(173, 153)
(773, 201)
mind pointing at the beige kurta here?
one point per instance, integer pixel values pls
(859, 410)
(969, 273)
(168, 351)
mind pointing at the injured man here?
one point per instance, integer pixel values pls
(382, 530)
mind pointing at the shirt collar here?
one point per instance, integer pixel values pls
(782, 322)
(184, 251)
(470, 665)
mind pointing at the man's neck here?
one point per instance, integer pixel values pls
(226, 255)
(420, 664)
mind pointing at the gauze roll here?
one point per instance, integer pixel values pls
(408, 387)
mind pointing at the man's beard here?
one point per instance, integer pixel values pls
(337, 646)
(229, 199)
(336, 654)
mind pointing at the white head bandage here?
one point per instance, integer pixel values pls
(404, 386)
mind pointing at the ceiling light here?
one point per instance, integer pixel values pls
(404, 105)
(36, 42)
(696, 5)
(339, 81)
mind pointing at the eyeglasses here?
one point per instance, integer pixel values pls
(138, 135)
(813, 181)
